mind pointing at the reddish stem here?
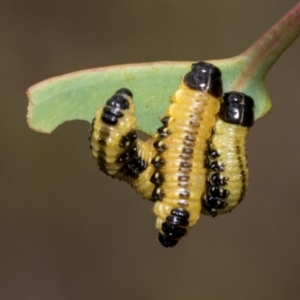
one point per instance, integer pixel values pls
(263, 53)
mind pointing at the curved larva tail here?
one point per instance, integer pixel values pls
(115, 146)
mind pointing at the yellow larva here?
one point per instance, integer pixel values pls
(181, 151)
(227, 178)
(115, 145)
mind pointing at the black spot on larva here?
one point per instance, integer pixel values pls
(165, 120)
(157, 194)
(184, 193)
(218, 180)
(129, 139)
(218, 192)
(186, 156)
(188, 143)
(183, 178)
(213, 153)
(190, 137)
(102, 141)
(157, 179)
(103, 136)
(212, 204)
(133, 165)
(187, 150)
(205, 77)
(191, 133)
(215, 166)
(166, 241)
(126, 155)
(160, 146)
(157, 162)
(194, 124)
(163, 131)
(185, 164)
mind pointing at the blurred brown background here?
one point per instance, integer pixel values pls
(69, 232)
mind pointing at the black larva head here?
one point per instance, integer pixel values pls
(237, 108)
(205, 77)
(125, 91)
(119, 99)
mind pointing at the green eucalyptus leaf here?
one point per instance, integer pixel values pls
(77, 96)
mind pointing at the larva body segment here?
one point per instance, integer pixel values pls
(181, 152)
(227, 177)
(115, 146)
(142, 184)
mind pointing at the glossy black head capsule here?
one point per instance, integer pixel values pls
(237, 108)
(205, 77)
(118, 100)
(125, 91)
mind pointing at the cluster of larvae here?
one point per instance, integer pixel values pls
(195, 163)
